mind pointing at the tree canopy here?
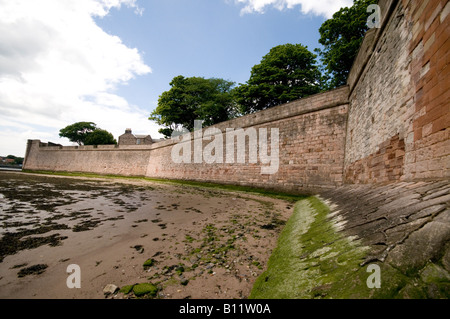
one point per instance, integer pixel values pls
(78, 132)
(288, 72)
(100, 137)
(17, 160)
(194, 98)
(87, 133)
(341, 37)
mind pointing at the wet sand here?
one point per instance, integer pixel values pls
(204, 243)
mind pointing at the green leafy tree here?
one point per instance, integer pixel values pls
(18, 160)
(78, 132)
(189, 99)
(341, 37)
(100, 137)
(288, 72)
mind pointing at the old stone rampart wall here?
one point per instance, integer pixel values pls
(311, 134)
(399, 114)
(389, 124)
(103, 159)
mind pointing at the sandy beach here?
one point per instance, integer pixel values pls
(199, 242)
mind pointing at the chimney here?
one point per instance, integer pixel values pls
(128, 130)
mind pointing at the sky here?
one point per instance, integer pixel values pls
(108, 61)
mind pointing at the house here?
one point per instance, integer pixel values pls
(128, 138)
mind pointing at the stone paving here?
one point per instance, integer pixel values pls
(406, 225)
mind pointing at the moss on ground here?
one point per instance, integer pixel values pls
(314, 260)
(126, 289)
(148, 263)
(145, 289)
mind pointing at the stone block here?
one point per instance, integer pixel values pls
(421, 246)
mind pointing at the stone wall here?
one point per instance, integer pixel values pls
(311, 135)
(103, 159)
(429, 137)
(127, 138)
(311, 148)
(398, 122)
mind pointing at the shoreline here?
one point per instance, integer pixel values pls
(205, 243)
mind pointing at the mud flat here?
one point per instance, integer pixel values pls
(181, 241)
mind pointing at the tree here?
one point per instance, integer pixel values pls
(100, 137)
(193, 98)
(341, 37)
(87, 133)
(78, 132)
(18, 160)
(288, 72)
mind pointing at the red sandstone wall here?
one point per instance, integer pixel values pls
(428, 156)
(398, 122)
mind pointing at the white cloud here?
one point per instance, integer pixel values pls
(324, 8)
(57, 67)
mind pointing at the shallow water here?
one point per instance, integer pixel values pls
(10, 169)
(36, 205)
